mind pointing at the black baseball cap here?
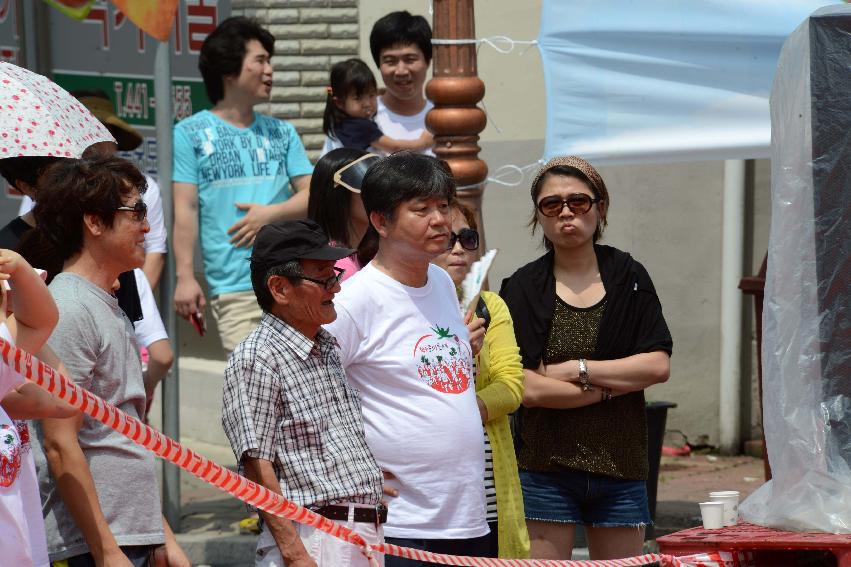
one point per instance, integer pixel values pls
(279, 242)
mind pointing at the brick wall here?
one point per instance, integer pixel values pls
(310, 36)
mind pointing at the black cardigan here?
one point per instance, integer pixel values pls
(632, 323)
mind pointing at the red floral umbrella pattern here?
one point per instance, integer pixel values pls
(39, 118)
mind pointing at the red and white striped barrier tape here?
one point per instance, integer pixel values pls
(715, 559)
(250, 492)
(263, 499)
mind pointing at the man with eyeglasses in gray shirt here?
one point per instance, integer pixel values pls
(100, 496)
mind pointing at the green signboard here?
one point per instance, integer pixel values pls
(133, 97)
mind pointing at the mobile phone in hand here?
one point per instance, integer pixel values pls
(197, 320)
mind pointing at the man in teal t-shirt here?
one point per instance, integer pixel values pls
(235, 170)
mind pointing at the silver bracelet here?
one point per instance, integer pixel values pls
(584, 378)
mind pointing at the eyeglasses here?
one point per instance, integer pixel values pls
(327, 283)
(578, 203)
(139, 210)
(468, 238)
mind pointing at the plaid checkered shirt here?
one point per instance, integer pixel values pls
(287, 400)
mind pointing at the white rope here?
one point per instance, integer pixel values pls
(492, 41)
(453, 41)
(495, 41)
(511, 169)
(491, 120)
(502, 171)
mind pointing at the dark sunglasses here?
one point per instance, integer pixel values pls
(327, 283)
(468, 238)
(578, 203)
(139, 210)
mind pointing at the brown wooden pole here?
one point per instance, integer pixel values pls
(455, 90)
(755, 285)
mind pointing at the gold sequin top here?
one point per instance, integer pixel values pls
(607, 438)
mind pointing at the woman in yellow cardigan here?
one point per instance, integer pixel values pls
(499, 389)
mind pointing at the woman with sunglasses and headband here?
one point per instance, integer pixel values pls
(499, 390)
(335, 204)
(592, 337)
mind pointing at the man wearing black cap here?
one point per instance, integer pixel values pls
(293, 422)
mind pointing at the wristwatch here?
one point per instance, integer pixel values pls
(584, 378)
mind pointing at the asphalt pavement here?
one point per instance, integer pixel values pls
(210, 534)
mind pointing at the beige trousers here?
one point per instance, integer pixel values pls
(236, 314)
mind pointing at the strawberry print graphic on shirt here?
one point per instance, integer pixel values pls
(10, 454)
(443, 361)
(23, 435)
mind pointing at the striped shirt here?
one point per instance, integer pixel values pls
(286, 400)
(490, 485)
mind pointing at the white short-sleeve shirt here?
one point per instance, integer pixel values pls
(150, 329)
(407, 351)
(22, 538)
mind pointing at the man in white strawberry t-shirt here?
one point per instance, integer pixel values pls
(406, 348)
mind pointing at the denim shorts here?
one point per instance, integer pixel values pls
(573, 497)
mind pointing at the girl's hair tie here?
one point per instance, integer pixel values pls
(329, 90)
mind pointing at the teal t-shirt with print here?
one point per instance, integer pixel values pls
(232, 165)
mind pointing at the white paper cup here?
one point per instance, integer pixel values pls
(712, 514)
(730, 499)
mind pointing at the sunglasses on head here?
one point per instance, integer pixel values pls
(139, 210)
(352, 174)
(467, 237)
(578, 203)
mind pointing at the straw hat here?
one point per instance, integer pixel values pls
(128, 138)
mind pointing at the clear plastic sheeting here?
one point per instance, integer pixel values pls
(806, 350)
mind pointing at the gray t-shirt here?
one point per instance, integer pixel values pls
(95, 341)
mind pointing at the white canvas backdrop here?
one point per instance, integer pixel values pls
(632, 81)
